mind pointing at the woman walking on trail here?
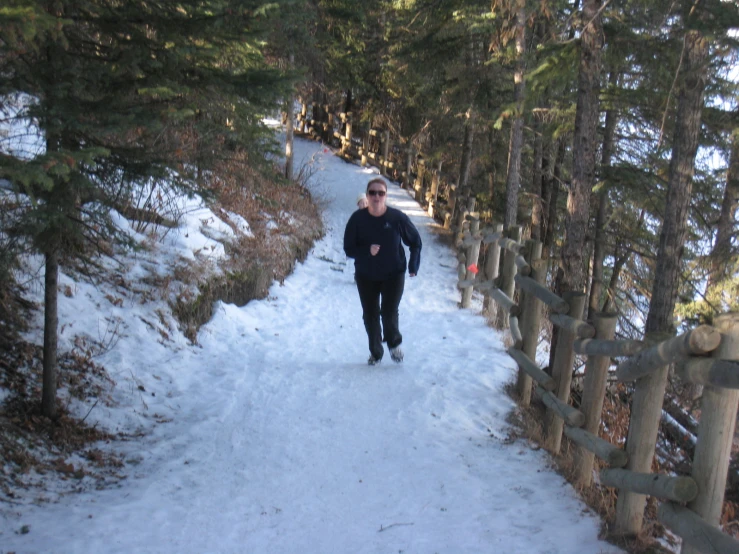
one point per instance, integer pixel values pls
(373, 238)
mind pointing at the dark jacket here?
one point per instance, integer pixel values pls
(387, 230)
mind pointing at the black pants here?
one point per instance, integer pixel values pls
(380, 299)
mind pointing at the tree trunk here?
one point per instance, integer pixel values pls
(584, 149)
(542, 148)
(645, 411)
(546, 188)
(551, 196)
(51, 324)
(513, 180)
(674, 225)
(349, 103)
(290, 110)
(536, 183)
(465, 163)
(466, 160)
(596, 288)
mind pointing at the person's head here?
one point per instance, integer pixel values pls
(376, 192)
(362, 201)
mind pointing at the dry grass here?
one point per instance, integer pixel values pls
(284, 221)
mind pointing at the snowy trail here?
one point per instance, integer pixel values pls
(285, 441)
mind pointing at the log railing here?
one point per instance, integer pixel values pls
(512, 281)
(703, 490)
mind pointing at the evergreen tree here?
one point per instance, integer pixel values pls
(115, 88)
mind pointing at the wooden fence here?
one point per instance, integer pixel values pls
(705, 355)
(514, 292)
(396, 161)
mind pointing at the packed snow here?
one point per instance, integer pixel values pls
(273, 435)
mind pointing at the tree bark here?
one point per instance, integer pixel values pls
(51, 324)
(584, 148)
(513, 180)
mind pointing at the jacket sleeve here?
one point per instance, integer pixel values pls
(411, 238)
(351, 247)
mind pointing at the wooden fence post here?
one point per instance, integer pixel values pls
(452, 200)
(461, 266)
(641, 442)
(564, 358)
(347, 143)
(407, 181)
(473, 254)
(315, 112)
(462, 198)
(385, 151)
(303, 117)
(531, 318)
(365, 147)
(433, 193)
(463, 213)
(492, 266)
(508, 285)
(430, 195)
(715, 432)
(289, 135)
(328, 125)
(458, 220)
(594, 390)
(418, 184)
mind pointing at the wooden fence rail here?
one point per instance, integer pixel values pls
(522, 274)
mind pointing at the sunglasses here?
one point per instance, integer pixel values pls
(376, 192)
